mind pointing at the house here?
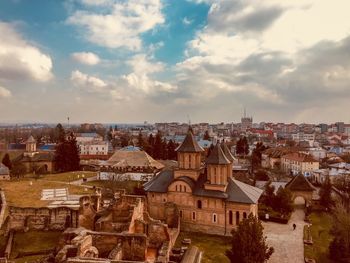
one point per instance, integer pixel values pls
(299, 163)
(4, 172)
(208, 198)
(271, 158)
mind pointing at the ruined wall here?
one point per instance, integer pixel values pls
(24, 219)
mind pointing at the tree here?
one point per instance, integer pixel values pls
(6, 161)
(326, 194)
(140, 141)
(340, 246)
(283, 201)
(242, 146)
(18, 170)
(171, 150)
(73, 153)
(256, 155)
(206, 136)
(157, 150)
(60, 134)
(248, 243)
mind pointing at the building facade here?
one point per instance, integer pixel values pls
(299, 163)
(208, 198)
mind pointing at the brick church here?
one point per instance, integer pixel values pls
(208, 198)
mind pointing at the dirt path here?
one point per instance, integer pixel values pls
(288, 243)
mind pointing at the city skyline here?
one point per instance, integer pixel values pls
(116, 61)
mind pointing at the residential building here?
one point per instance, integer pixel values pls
(299, 163)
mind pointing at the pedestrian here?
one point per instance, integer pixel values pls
(294, 226)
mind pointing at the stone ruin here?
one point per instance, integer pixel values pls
(123, 231)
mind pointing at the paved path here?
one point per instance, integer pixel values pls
(288, 243)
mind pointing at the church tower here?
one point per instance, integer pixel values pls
(189, 157)
(219, 169)
(30, 146)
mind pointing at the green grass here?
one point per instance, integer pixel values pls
(34, 242)
(321, 225)
(69, 176)
(127, 185)
(30, 194)
(213, 247)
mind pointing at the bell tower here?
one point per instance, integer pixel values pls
(189, 157)
(219, 169)
(30, 146)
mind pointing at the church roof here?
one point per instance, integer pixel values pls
(31, 139)
(227, 152)
(217, 156)
(300, 183)
(189, 144)
(236, 191)
(37, 157)
(4, 170)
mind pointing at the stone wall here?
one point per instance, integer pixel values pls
(24, 219)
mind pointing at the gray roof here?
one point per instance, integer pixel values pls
(242, 193)
(217, 156)
(31, 139)
(189, 144)
(227, 152)
(236, 191)
(4, 170)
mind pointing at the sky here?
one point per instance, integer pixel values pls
(118, 61)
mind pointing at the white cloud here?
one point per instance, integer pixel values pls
(89, 83)
(142, 67)
(87, 58)
(186, 21)
(20, 59)
(5, 93)
(122, 25)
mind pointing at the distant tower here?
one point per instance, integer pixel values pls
(246, 122)
(30, 146)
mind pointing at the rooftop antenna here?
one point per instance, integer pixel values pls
(189, 120)
(68, 122)
(244, 112)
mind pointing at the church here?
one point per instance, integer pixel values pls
(207, 196)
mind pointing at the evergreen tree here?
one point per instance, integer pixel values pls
(109, 134)
(140, 141)
(242, 146)
(6, 161)
(150, 147)
(283, 201)
(171, 150)
(60, 134)
(73, 153)
(206, 136)
(164, 149)
(158, 146)
(248, 243)
(326, 194)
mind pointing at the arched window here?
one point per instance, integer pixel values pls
(199, 204)
(176, 188)
(189, 161)
(180, 188)
(181, 214)
(244, 215)
(184, 188)
(237, 217)
(230, 217)
(215, 218)
(194, 216)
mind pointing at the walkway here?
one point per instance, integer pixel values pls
(288, 243)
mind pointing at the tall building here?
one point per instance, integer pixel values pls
(208, 198)
(246, 122)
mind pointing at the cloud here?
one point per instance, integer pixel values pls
(121, 25)
(88, 83)
(186, 21)
(20, 59)
(5, 93)
(280, 58)
(87, 58)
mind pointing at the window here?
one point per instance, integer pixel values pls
(199, 204)
(194, 216)
(180, 188)
(237, 217)
(189, 161)
(230, 217)
(244, 215)
(184, 188)
(214, 218)
(181, 214)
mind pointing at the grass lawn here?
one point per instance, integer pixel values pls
(69, 176)
(22, 194)
(213, 247)
(128, 185)
(34, 242)
(321, 224)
